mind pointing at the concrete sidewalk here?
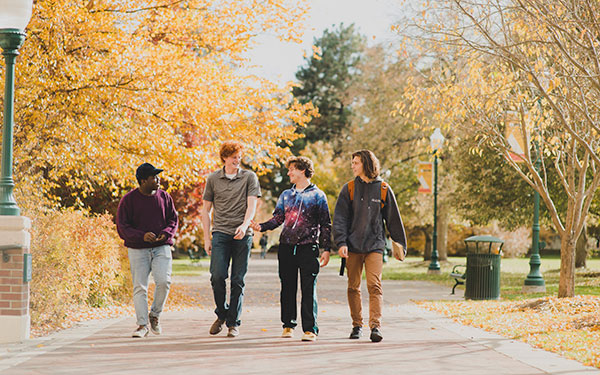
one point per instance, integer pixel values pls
(415, 341)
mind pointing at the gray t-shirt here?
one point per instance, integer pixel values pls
(230, 198)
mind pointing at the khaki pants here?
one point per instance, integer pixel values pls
(373, 263)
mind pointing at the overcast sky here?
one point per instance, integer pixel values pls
(279, 61)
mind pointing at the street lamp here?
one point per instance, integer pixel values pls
(534, 282)
(14, 17)
(436, 141)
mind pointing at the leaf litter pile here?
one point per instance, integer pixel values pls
(567, 326)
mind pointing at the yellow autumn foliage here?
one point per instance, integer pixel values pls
(104, 85)
(77, 260)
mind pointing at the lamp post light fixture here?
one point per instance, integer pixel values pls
(436, 142)
(14, 17)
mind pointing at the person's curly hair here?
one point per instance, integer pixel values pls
(370, 163)
(301, 163)
(229, 148)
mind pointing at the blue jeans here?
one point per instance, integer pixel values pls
(226, 250)
(157, 260)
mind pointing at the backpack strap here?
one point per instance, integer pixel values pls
(351, 190)
(384, 190)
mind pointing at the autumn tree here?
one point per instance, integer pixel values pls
(104, 85)
(529, 63)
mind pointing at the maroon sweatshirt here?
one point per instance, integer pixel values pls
(139, 214)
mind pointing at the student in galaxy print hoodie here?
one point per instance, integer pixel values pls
(304, 213)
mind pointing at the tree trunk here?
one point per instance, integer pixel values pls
(428, 243)
(566, 285)
(443, 219)
(581, 250)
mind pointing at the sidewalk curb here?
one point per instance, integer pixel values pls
(547, 362)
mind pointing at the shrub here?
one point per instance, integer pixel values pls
(77, 259)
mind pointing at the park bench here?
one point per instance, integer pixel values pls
(458, 276)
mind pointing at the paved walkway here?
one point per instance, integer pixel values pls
(415, 341)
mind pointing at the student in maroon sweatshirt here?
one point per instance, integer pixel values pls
(147, 222)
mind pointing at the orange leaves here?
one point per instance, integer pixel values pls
(105, 85)
(76, 260)
(568, 326)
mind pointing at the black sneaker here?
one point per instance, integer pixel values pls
(356, 333)
(155, 325)
(376, 335)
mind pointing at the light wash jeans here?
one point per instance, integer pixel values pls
(157, 260)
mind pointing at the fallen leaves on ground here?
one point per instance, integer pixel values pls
(567, 326)
(181, 297)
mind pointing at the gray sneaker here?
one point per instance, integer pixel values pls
(141, 331)
(233, 332)
(216, 327)
(155, 325)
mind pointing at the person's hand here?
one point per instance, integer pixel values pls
(149, 237)
(343, 251)
(161, 237)
(208, 245)
(398, 251)
(254, 225)
(324, 258)
(240, 232)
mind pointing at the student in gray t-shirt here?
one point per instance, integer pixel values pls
(231, 193)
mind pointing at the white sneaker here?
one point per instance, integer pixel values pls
(309, 336)
(141, 331)
(233, 332)
(288, 332)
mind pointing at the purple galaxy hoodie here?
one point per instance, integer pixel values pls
(305, 218)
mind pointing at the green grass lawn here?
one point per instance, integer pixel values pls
(513, 273)
(185, 267)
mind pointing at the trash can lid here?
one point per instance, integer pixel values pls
(484, 238)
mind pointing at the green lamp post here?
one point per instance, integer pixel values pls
(534, 282)
(436, 141)
(14, 17)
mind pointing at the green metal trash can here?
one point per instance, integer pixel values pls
(483, 267)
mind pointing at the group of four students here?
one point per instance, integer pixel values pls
(366, 206)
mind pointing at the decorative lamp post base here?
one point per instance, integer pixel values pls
(534, 289)
(534, 283)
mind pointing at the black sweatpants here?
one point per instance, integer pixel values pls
(303, 258)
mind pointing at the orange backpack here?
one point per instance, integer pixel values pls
(384, 190)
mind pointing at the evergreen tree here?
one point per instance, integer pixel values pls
(325, 81)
